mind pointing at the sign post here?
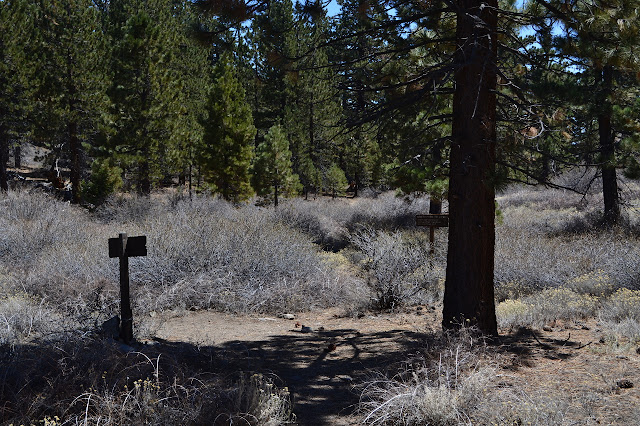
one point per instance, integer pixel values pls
(125, 247)
(433, 221)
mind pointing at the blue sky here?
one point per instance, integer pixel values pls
(333, 8)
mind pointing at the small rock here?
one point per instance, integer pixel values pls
(547, 328)
(321, 329)
(306, 329)
(346, 378)
(584, 327)
(624, 384)
(152, 314)
(289, 316)
(638, 351)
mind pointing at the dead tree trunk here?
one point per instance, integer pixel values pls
(469, 293)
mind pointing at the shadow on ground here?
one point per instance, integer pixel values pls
(322, 370)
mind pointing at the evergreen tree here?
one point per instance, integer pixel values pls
(193, 87)
(599, 43)
(16, 28)
(361, 71)
(227, 148)
(313, 110)
(144, 89)
(273, 42)
(335, 181)
(69, 88)
(273, 168)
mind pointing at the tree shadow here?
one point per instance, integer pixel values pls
(324, 371)
(525, 344)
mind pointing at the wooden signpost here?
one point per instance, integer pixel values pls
(125, 247)
(433, 221)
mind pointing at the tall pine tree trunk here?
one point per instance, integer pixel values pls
(144, 178)
(275, 195)
(4, 158)
(74, 147)
(607, 151)
(17, 156)
(469, 293)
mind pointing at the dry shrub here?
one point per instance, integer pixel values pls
(457, 382)
(202, 254)
(330, 222)
(528, 254)
(398, 267)
(22, 318)
(258, 401)
(546, 306)
(83, 380)
(620, 314)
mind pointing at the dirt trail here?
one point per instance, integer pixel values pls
(321, 379)
(568, 360)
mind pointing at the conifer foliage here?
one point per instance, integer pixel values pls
(273, 173)
(227, 145)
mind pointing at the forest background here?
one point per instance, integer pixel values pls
(280, 99)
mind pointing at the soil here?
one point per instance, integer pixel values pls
(325, 367)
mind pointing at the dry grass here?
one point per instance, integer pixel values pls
(57, 285)
(82, 380)
(457, 381)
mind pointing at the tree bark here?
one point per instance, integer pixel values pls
(275, 195)
(435, 205)
(144, 178)
(75, 148)
(4, 154)
(607, 151)
(469, 292)
(17, 156)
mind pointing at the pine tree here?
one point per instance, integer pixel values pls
(144, 90)
(335, 181)
(227, 148)
(273, 167)
(600, 41)
(69, 93)
(193, 87)
(361, 72)
(313, 110)
(16, 29)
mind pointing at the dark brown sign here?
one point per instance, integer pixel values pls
(133, 247)
(432, 220)
(125, 247)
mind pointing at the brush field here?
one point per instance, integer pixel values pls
(213, 347)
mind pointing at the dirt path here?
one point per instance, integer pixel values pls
(320, 377)
(568, 361)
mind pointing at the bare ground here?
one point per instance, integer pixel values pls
(568, 360)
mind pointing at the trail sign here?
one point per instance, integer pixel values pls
(433, 221)
(134, 246)
(124, 248)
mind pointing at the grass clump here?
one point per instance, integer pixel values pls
(544, 307)
(86, 380)
(620, 314)
(456, 382)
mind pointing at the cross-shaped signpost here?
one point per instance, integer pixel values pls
(125, 247)
(433, 221)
